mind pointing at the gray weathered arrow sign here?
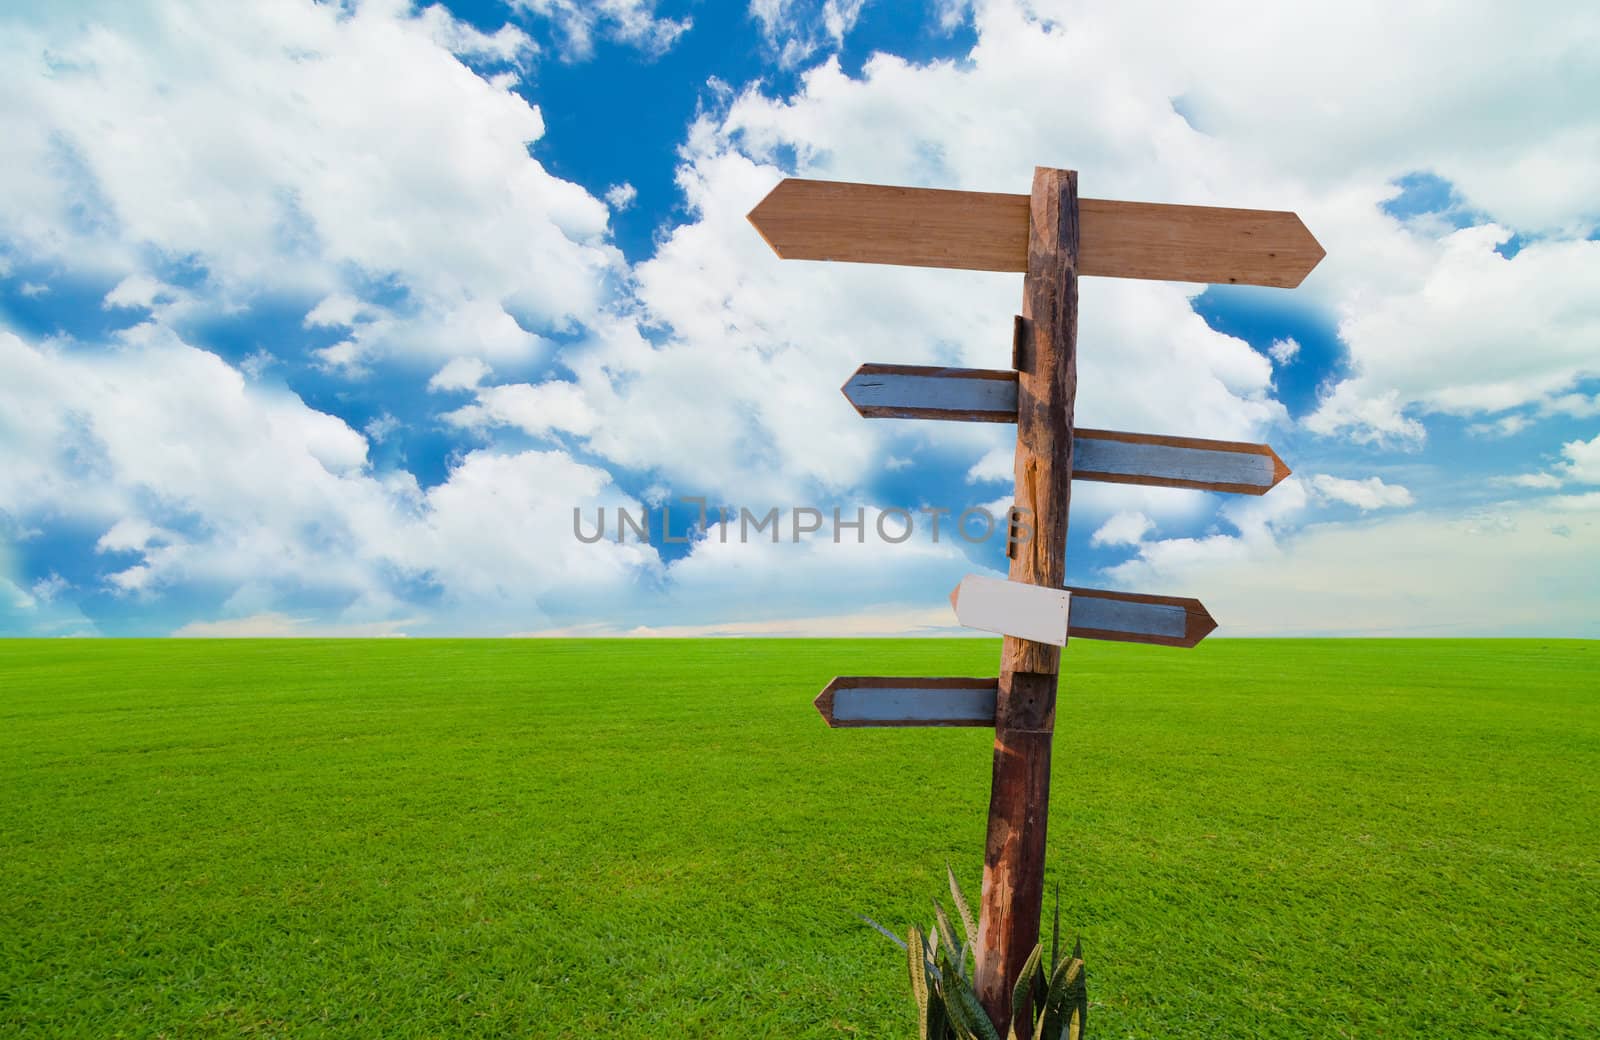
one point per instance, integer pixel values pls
(863, 700)
(990, 395)
(1124, 617)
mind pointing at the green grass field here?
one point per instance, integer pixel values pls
(661, 839)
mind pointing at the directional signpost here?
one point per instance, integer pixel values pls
(1052, 237)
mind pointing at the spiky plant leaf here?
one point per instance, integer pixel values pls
(939, 1027)
(948, 934)
(1019, 993)
(1055, 932)
(963, 1001)
(1080, 1013)
(1058, 998)
(962, 1022)
(919, 979)
(883, 931)
(968, 925)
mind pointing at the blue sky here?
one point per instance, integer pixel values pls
(324, 318)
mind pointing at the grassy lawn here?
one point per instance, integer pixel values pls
(661, 839)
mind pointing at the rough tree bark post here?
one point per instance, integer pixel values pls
(1046, 347)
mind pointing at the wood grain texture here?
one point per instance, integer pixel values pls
(1130, 617)
(851, 701)
(1019, 793)
(879, 224)
(929, 227)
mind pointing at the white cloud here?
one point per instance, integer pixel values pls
(462, 373)
(1284, 351)
(338, 310)
(795, 30)
(1442, 342)
(776, 338)
(303, 150)
(1123, 529)
(1365, 495)
(1505, 426)
(382, 427)
(1578, 406)
(633, 22)
(1511, 572)
(996, 464)
(1582, 461)
(48, 588)
(833, 570)
(313, 151)
(621, 196)
(930, 621)
(1579, 464)
(282, 626)
(1532, 480)
(137, 291)
(203, 480)
(535, 409)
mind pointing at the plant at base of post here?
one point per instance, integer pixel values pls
(947, 1002)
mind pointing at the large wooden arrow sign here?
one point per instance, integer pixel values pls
(990, 395)
(985, 231)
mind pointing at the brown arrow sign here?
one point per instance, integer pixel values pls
(983, 231)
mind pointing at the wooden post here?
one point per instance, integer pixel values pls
(1047, 378)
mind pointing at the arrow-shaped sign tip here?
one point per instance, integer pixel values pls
(1312, 251)
(824, 701)
(1280, 469)
(844, 388)
(763, 210)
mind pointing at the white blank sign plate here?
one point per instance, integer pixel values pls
(1012, 608)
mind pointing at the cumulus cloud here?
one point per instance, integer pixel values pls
(1579, 464)
(1582, 461)
(1371, 493)
(372, 162)
(462, 373)
(621, 196)
(632, 22)
(535, 409)
(1123, 529)
(1440, 342)
(1506, 572)
(197, 478)
(795, 30)
(306, 150)
(776, 338)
